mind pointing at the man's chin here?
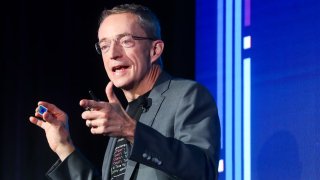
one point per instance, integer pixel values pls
(121, 85)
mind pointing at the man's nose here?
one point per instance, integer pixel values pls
(115, 50)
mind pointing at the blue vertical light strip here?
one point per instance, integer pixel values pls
(220, 67)
(238, 90)
(247, 118)
(247, 97)
(233, 95)
(228, 89)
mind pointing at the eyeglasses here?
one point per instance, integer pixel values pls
(125, 40)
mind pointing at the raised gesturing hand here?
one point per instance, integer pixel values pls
(108, 118)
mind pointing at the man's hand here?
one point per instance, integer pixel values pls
(108, 118)
(55, 125)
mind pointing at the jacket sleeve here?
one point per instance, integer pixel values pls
(74, 167)
(193, 150)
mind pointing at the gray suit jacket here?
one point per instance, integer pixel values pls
(178, 137)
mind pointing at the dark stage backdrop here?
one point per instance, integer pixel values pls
(47, 53)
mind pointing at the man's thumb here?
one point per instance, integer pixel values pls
(110, 94)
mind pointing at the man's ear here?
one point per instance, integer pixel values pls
(156, 50)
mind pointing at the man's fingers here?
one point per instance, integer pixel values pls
(90, 104)
(110, 128)
(37, 122)
(45, 116)
(96, 122)
(113, 131)
(110, 94)
(88, 123)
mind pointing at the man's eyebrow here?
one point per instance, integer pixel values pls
(116, 37)
(102, 40)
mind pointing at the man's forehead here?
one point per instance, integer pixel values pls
(117, 24)
(120, 19)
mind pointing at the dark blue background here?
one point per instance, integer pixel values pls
(285, 89)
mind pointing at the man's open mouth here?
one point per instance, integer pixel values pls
(119, 68)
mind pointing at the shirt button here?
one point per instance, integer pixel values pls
(155, 160)
(144, 155)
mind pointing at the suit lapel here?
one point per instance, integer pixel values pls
(107, 159)
(148, 117)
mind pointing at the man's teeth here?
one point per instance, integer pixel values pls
(119, 68)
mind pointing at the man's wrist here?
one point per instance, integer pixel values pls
(64, 151)
(131, 131)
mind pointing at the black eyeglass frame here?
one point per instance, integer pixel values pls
(138, 38)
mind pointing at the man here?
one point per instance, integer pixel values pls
(170, 129)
